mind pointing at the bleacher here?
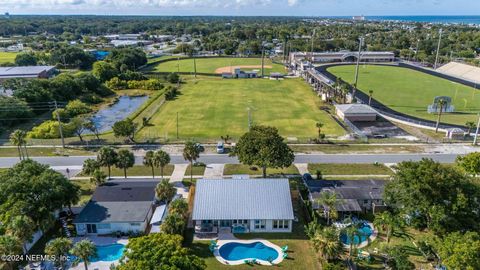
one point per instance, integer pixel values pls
(463, 71)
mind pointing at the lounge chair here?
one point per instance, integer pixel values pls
(284, 248)
(285, 255)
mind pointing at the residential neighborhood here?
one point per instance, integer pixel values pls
(193, 135)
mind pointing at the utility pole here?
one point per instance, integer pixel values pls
(438, 47)
(249, 118)
(60, 128)
(416, 49)
(313, 39)
(476, 132)
(361, 39)
(177, 125)
(263, 60)
(194, 67)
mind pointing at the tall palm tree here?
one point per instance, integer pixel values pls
(149, 161)
(161, 159)
(165, 191)
(90, 165)
(84, 250)
(350, 232)
(440, 103)
(191, 152)
(387, 223)
(98, 177)
(328, 201)
(22, 228)
(327, 243)
(107, 157)
(9, 244)
(370, 95)
(319, 126)
(17, 138)
(470, 125)
(125, 160)
(59, 247)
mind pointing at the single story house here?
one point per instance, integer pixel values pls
(118, 206)
(354, 196)
(356, 112)
(248, 205)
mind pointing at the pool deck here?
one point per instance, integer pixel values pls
(225, 237)
(99, 241)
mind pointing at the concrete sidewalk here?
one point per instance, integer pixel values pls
(176, 179)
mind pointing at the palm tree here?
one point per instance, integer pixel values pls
(9, 244)
(387, 223)
(58, 247)
(179, 206)
(319, 126)
(327, 243)
(125, 160)
(226, 138)
(165, 191)
(470, 125)
(161, 160)
(149, 161)
(17, 138)
(191, 152)
(328, 200)
(370, 94)
(84, 250)
(98, 177)
(351, 231)
(107, 157)
(90, 165)
(173, 224)
(23, 229)
(440, 103)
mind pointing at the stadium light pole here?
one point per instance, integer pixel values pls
(476, 132)
(438, 47)
(313, 39)
(416, 49)
(361, 40)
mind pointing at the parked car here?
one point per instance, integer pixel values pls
(220, 148)
(307, 177)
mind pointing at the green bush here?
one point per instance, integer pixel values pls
(48, 130)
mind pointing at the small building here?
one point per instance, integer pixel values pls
(253, 205)
(354, 196)
(27, 72)
(356, 112)
(118, 206)
(455, 134)
(240, 74)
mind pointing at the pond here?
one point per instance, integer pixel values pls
(125, 106)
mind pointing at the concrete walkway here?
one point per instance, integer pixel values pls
(302, 168)
(177, 177)
(214, 171)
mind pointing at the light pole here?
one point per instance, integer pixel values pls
(416, 49)
(313, 39)
(438, 47)
(361, 40)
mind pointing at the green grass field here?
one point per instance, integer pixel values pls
(209, 65)
(410, 92)
(210, 108)
(7, 57)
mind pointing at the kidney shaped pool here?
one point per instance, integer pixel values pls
(234, 251)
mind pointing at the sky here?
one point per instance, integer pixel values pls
(244, 7)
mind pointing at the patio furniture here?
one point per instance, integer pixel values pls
(285, 255)
(284, 248)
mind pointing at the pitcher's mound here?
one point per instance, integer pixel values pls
(232, 68)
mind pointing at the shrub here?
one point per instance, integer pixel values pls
(116, 84)
(171, 93)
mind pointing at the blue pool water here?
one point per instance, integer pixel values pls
(238, 251)
(364, 233)
(109, 253)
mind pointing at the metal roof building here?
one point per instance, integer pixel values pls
(356, 112)
(27, 72)
(254, 204)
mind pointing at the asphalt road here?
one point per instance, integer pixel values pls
(225, 159)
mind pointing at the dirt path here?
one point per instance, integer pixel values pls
(232, 68)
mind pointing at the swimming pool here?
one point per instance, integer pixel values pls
(364, 232)
(109, 253)
(235, 251)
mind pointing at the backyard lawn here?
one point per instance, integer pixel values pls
(7, 57)
(410, 92)
(253, 170)
(210, 65)
(210, 108)
(349, 169)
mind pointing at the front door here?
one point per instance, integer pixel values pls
(91, 228)
(225, 223)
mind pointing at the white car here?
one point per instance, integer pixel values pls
(220, 148)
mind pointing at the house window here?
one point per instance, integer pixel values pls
(280, 224)
(134, 224)
(260, 224)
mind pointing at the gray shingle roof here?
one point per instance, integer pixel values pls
(349, 189)
(355, 109)
(242, 199)
(107, 212)
(125, 191)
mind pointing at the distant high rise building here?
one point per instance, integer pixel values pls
(358, 18)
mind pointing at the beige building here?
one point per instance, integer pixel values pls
(356, 112)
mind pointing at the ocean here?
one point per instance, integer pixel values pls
(429, 19)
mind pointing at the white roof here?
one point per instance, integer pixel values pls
(24, 72)
(158, 214)
(355, 109)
